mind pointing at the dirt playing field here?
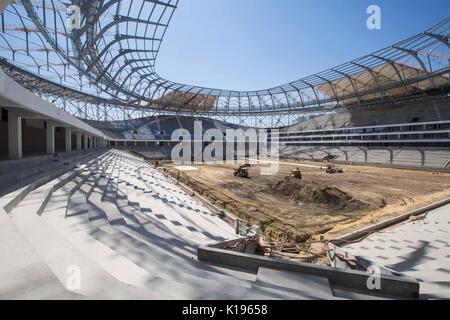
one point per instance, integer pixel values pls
(321, 204)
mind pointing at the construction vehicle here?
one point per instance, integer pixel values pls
(242, 171)
(332, 169)
(296, 174)
(246, 164)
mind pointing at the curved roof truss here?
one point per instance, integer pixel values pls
(111, 60)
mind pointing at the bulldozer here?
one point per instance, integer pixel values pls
(296, 174)
(332, 169)
(242, 172)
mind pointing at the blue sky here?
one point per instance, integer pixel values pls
(257, 44)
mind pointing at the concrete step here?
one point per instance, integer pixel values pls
(124, 207)
(109, 260)
(23, 273)
(106, 201)
(159, 210)
(60, 255)
(178, 199)
(179, 218)
(145, 219)
(435, 290)
(204, 283)
(157, 250)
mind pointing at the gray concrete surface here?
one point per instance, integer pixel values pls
(419, 249)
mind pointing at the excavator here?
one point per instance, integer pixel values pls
(296, 174)
(242, 171)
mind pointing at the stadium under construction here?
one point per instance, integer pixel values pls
(146, 188)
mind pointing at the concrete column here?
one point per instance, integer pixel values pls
(14, 135)
(85, 141)
(78, 141)
(68, 140)
(50, 134)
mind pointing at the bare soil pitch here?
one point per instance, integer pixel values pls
(320, 204)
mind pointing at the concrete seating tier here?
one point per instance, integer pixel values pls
(155, 128)
(123, 230)
(423, 111)
(419, 249)
(127, 230)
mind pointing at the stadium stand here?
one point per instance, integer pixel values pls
(424, 110)
(83, 111)
(156, 128)
(412, 135)
(128, 228)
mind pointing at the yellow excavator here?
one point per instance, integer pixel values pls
(296, 174)
(242, 171)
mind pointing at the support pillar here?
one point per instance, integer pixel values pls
(14, 135)
(50, 134)
(68, 137)
(78, 141)
(85, 137)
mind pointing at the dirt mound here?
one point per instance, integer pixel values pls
(316, 193)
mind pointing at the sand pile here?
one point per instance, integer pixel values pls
(312, 192)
